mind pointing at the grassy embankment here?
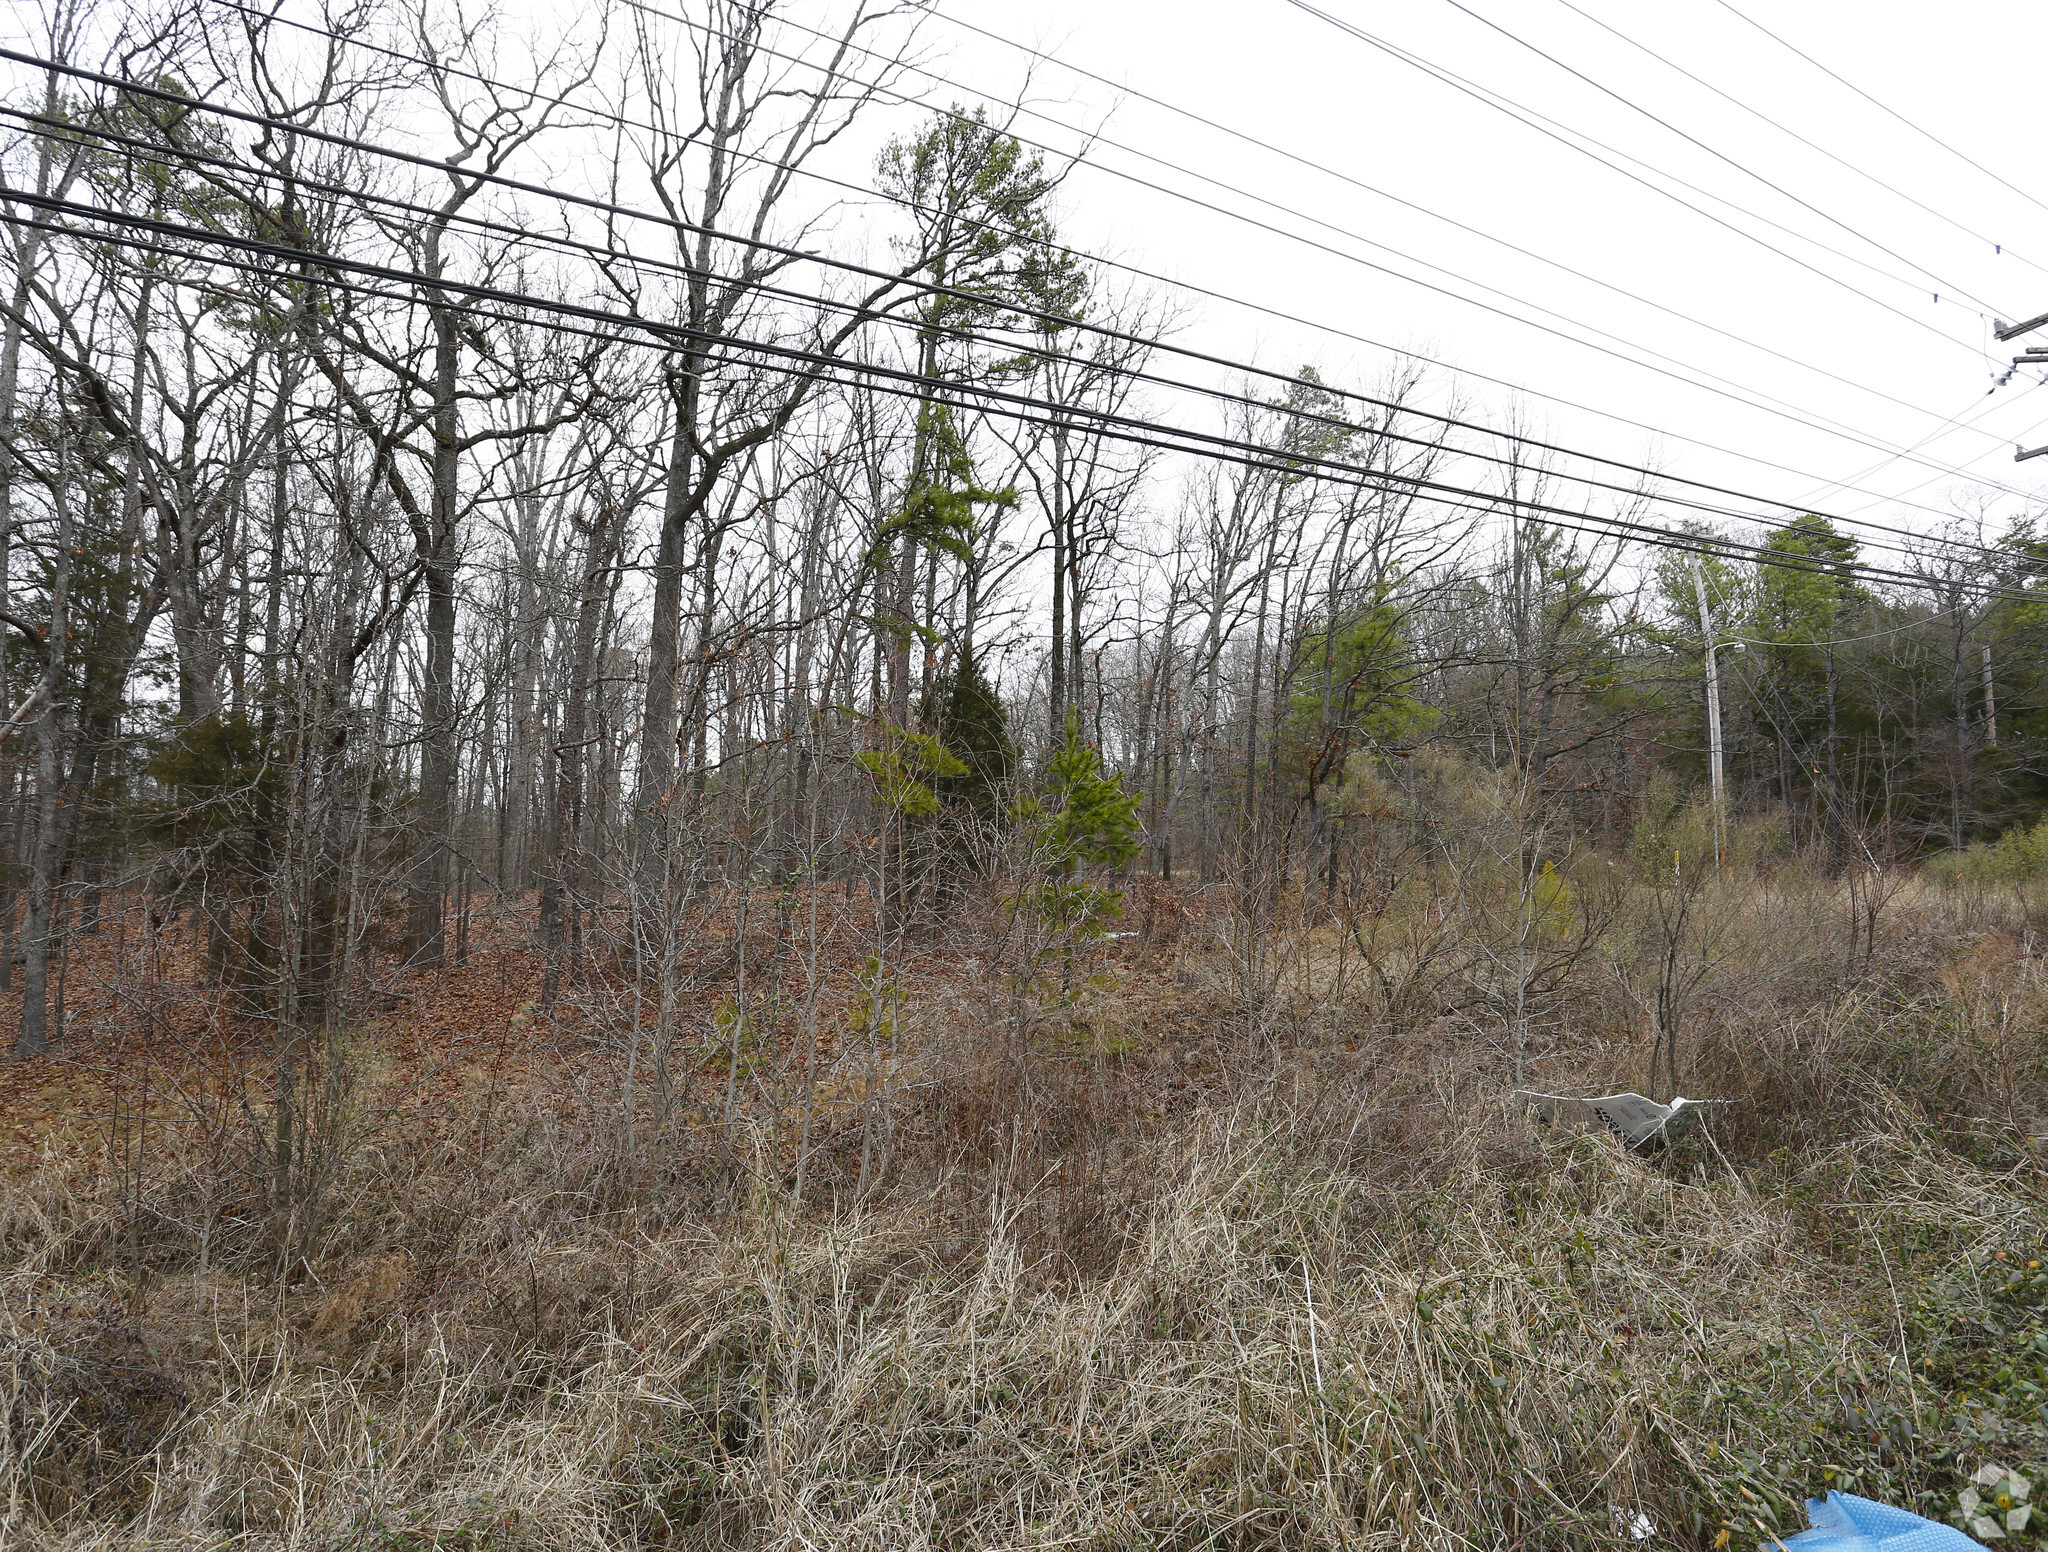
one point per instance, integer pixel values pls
(1213, 1255)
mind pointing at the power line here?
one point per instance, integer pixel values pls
(1820, 423)
(1096, 139)
(1785, 129)
(1768, 400)
(1555, 131)
(1694, 140)
(335, 194)
(791, 360)
(1260, 460)
(904, 279)
(1823, 424)
(1420, 209)
(1880, 106)
(2021, 438)
(1957, 422)
(1571, 138)
(1123, 88)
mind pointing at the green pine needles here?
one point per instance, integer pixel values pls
(1080, 815)
(975, 732)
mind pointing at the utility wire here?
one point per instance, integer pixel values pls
(1095, 140)
(2024, 436)
(1123, 88)
(1485, 505)
(186, 103)
(1407, 204)
(335, 195)
(1831, 428)
(796, 361)
(1819, 422)
(1731, 389)
(1566, 136)
(1880, 106)
(1786, 129)
(1961, 420)
(1722, 156)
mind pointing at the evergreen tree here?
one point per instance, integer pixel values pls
(1803, 609)
(1356, 688)
(1084, 814)
(1080, 814)
(974, 730)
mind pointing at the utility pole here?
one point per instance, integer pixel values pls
(1699, 587)
(2032, 355)
(1990, 706)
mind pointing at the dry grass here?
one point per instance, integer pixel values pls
(1140, 1275)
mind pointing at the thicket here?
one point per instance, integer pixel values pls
(1019, 944)
(1150, 1254)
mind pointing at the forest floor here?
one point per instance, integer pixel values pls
(148, 1029)
(1187, 1248)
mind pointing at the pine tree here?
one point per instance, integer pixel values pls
(974, 730)
(1084, 815)
(1081, 814)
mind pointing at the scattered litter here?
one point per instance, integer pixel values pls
(1842, 1522)
(2001, 1506)
(1632, 1118)
(1632, 1523)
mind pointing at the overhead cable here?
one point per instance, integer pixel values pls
(792, 360)
(1994, 244)
(1824, 425)
(1719, 155)
(1881, 106)
(905, 279)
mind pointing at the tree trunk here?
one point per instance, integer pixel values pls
(48, 861)
(562, 880)
(437, 699)
(664, 657)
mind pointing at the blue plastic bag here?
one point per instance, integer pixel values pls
(1842, 1522)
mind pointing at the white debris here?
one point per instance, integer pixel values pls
(1631, 1117)
(1632, 1523)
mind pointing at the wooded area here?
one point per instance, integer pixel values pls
(387, 523)
(475, 497)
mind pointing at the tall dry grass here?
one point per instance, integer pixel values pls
(1161, 1267)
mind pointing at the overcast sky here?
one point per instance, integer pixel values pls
(1908, 371)
(1791, 328)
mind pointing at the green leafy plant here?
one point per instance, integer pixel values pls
(973, 728)
(1082, 814)
(875, 1006)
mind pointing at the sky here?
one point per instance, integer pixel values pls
(1805, 321)
(1792, 329)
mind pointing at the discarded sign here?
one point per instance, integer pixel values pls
(1842, 1522)
(1631, 1117)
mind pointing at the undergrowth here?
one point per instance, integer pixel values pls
(1145, 1274)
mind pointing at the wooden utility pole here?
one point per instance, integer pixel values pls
(1699, 587)
(2031, 355)
(1990, 706)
